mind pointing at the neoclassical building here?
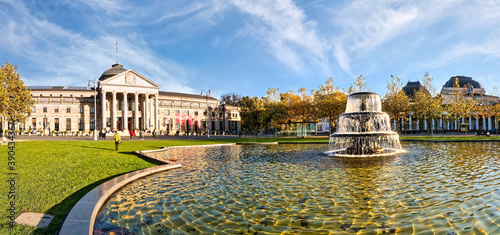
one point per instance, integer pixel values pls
(126, 100)
(471, 89)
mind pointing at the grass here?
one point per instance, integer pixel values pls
(54, 175)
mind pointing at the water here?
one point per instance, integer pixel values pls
(435, 188)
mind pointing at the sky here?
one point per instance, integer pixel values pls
(246, 47)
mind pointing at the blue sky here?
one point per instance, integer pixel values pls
(246, 47)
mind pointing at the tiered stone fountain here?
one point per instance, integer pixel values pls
(364, 130)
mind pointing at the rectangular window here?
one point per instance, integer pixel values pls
(68, 124)
(167, 112)
(92, 109)
(56, 99)
(80, 124)
(44, 109)
(196, 113)
(44, 99)
(81, 109)
(187, 112)
(56, 124)
(33, 123)
(33, 109)
(177, 111)
(56, 109)
(68, 100)
(92, 124)
(68, 109)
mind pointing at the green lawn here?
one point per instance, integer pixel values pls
(54, 175)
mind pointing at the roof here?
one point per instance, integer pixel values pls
(114, 70)
(166, 93)
(411, 87)
(60, 88)
(463, 81)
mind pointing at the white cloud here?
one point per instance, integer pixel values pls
(286, 33)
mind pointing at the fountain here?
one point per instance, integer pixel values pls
(364, 130)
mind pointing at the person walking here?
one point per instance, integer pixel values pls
(118, 140)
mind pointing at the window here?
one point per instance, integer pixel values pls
(92, 110)
(56, 124)
(56, 109)
(33, 123)
(177, 126)
(177, 111)
(187, 112)
(167, 112)
(81, 109)
(44, 109)
(80, 124)
(33, 109)
(196, 113)
(56, 99)
(68, 124)
(108, 122)
(92, 124)
(68, 109)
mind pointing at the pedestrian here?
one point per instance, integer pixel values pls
(154, 133)
(140, 135)
(131, 136)
(240, 134)
(118, 140)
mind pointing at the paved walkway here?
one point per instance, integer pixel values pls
(110, 137)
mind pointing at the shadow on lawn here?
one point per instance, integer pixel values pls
(61, 210)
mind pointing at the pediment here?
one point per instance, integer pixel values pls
(130, 78)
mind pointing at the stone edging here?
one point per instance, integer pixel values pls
(416, 140)
(81, 218)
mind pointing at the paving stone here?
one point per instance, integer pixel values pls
(38, 220)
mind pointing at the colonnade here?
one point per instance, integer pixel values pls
(144, 114)
(487, 124)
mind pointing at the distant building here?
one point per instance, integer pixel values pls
(127, 100)
(471, 90)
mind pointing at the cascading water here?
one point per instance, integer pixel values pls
(364, 130)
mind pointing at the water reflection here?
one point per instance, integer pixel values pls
(435, 188)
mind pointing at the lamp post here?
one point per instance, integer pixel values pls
(207, 94)
(95, 108)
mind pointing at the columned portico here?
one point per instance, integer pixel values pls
(113, 111)
(136, 111)
(125, 111)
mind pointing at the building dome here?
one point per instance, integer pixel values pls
(114, 70)
(462, 82)
(412, 87)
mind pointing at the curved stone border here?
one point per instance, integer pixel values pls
(259, 143)
(81, 218)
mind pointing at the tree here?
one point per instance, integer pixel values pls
(275, 110)
(395, 101)
(358, 85)
(425, 104)
(231, 99)
(251, 109)
(329, 103)
(15, 98)
(459, 106)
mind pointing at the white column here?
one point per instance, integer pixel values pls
(113, 111)
(477, 123)
(418, 124)
(425, 123)
(484, 123)
(125, 111)
(441, 123)
(146, 112)
(432, 127)
(156, 112)
(470, 123)
(103, 109)
(456, 124)
(402, 124)
(136, 111)
(496, 122)
(489, 123)
(409, 124)
(394, 127)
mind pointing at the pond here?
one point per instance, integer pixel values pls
(440, 188)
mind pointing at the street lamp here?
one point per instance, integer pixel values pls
(95, 108)
(207, 94)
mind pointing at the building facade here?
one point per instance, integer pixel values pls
(125, 100)
(471, 89)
